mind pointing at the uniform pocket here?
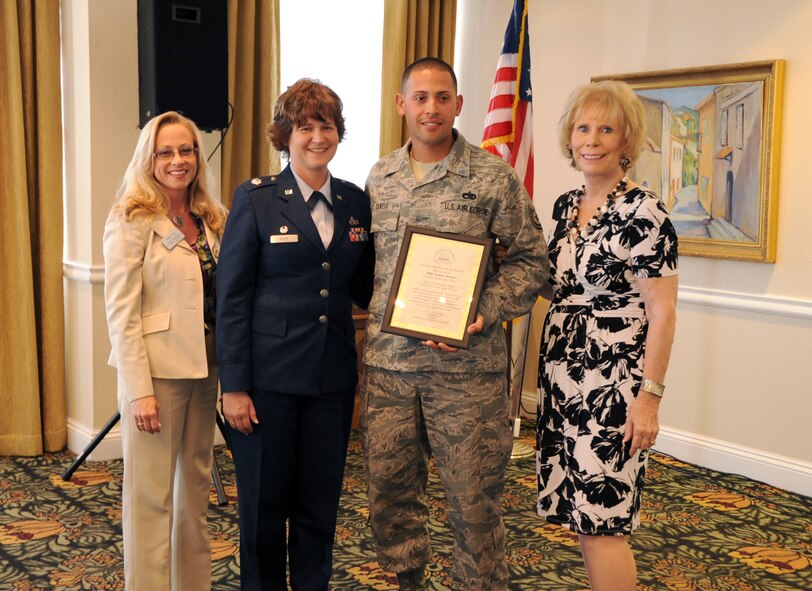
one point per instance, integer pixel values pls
(384, 221)
(156, 322)
(269, 324)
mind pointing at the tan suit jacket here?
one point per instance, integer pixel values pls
(153, 291)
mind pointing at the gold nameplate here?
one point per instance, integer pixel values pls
(283, 238)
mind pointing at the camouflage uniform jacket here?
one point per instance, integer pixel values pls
(469, 192)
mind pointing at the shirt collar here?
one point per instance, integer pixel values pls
(457, 161)
(306, 191)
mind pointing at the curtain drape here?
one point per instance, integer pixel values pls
(253, 87)
(32, 337)
(412, 29)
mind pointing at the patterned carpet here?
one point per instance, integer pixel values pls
(702, 530)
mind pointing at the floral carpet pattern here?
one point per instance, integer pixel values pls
(702, 530)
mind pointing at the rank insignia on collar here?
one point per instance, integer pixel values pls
(288, 191)
(256, 181)
(283, 230)
(353, 221)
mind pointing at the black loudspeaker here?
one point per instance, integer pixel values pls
(183, 60)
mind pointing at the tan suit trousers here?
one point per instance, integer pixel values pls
(167, 480)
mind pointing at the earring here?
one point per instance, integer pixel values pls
(569, 150)
(625, 162)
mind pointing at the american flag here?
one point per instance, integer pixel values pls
(509, 122)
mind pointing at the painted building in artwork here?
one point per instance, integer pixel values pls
(660, 164)
(676, 150)
(737, 141)
(707, 111)
(648, 170)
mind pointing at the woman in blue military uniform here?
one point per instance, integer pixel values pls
(295, 255)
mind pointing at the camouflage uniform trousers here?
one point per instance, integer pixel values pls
(462, 420)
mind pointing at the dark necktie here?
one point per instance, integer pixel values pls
(314, 199)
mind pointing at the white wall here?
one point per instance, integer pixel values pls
(739, 397)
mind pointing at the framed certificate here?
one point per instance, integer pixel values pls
(437, 284)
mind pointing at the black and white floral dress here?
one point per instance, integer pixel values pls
(591, 363)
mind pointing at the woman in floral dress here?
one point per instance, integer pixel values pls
(607, 337)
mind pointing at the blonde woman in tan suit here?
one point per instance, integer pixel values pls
(161, 243)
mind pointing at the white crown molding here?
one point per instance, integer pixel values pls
(745, 302)
(82, 273)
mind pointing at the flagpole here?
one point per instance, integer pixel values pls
(508, 134)
(516, 386)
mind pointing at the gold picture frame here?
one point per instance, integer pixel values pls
(712, 154)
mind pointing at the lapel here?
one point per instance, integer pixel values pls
(213, 240)
(294, 208)
(163, 228)
(340, 212)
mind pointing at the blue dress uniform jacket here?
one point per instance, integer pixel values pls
(284, 301)
(285, 335)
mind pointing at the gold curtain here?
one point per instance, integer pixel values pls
(32, 355)
(411, 29)
(253, 87)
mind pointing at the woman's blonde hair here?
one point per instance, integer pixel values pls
(613, 99)
(140, 194)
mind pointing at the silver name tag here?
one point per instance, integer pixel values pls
(172, 239)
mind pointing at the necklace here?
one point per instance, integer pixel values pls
(177, 220)
(600, 215)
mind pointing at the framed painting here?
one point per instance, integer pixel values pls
(711, 153)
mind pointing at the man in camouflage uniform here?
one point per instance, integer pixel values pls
(426, 398)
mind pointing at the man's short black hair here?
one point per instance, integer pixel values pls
(427, 63)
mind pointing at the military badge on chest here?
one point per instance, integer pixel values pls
(283, 237)
(358, 233)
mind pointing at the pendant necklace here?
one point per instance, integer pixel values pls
(601, 214)
(177, 220)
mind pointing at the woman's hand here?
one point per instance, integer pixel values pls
(238, 410)
(145, 414)
(643, 423)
